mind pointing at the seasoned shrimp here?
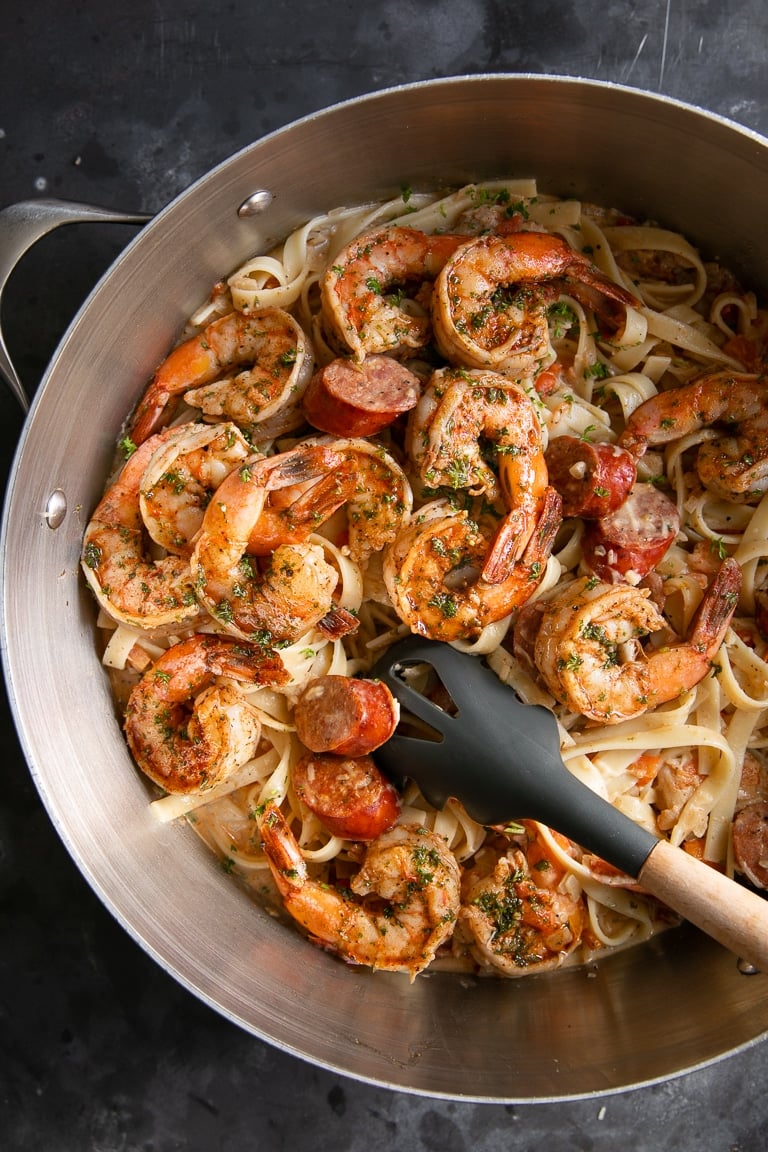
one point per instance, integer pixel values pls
(362, 291)
(588, 652)
(354, 472)
(408, 869)
(181, 477)
(489, 305)
(436, 571)
(128, 584)
(187, 733)
(293, 591)
(459, 413)
(520, 924)
(203, 369)
(735, 465)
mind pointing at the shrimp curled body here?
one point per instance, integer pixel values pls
(435, 570)
(181, 477)
(362, 290)
(408, 867)
(489, 306)
(188, 733)
(203, 369)
(458, 414)
(294, 590)
(519, 925)
(352, 472)
(588, 653)
(128, 583)
(734, 465)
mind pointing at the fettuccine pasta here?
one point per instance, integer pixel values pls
(523, 425)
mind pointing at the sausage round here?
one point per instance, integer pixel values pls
(750, 842)
(631, 541)
(592, 479)
(346, 716)
(350, 796)
(347, 398)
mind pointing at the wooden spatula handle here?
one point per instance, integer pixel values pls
(725, 910)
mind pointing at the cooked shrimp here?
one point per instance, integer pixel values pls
(588, 651)
(293, 591)
(519, 924)
(187, 733)
(181, 477)
(408, 869)
(204, 368)
(129, 585)
(362, 291)
(489, 305)
(735, 465)
(354, 472)
(435, 572)
(462, 411)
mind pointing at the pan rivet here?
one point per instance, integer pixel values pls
(255, 203)
(56, 508)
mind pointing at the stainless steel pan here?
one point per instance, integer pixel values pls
(638, 1017)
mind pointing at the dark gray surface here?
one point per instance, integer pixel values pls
(124, 106)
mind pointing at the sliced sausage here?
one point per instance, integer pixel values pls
(592, 479)
(346, 716)
(347, 398)
(351, 797)
(750, 842)
(630, 542)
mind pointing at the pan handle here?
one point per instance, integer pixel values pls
(21, 226)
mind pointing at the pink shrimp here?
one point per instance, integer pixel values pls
(408, 868)
(587, 648)
(489, 306)
(734, 465)
(203, 367)
(362, 289)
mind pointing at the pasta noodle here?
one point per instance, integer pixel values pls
(294, 545)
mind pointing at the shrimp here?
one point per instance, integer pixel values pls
(408, 869)
(435, 570)
(458, 408)
(519, 924)
(203, 370)
(587, 648)
(358, 473)
(489, 305)
(181, 477)
(361, 292)
(734, 466)
(128, 584)
(187, 733)
(294, 590)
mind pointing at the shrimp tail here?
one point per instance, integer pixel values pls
(505, 551)
(716, 609)
(289, 867)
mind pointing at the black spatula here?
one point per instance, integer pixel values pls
(501, 759)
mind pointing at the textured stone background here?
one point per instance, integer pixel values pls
(124, 105)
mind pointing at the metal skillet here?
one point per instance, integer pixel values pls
(644, 1014)
(501, 759)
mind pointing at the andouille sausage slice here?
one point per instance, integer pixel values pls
(346, 716)
(592, 479)
(351, 398)
(630, 542)
(349, 795)
(750, 842)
